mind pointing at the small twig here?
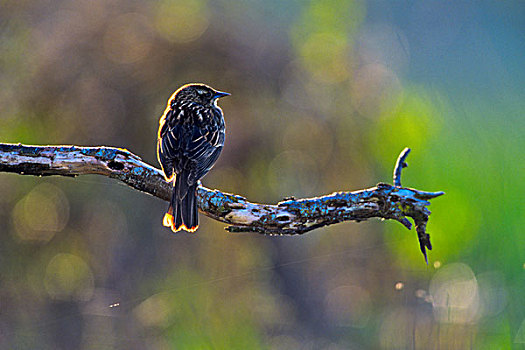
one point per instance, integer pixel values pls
(421, 216)
(400, 164)
(289, 217)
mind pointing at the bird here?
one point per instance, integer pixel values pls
(190, 139)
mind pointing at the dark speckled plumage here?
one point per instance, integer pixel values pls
(190, 139)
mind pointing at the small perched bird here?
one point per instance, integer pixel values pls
(190, 139)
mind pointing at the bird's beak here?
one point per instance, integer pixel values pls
(219, 94)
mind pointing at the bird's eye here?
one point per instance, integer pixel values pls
(201, 92)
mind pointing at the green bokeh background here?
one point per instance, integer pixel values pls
(325, 94)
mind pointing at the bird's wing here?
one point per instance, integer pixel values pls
(204, 149)
(164, 161)
(167, 145)
(207, 164)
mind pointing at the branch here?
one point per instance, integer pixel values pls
(289, 217)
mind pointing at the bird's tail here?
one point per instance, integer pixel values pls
(182, 213)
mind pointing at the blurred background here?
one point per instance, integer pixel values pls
(325, 94)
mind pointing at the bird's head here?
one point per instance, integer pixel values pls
(200, 94)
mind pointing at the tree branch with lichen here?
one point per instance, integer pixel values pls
(290, 217)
